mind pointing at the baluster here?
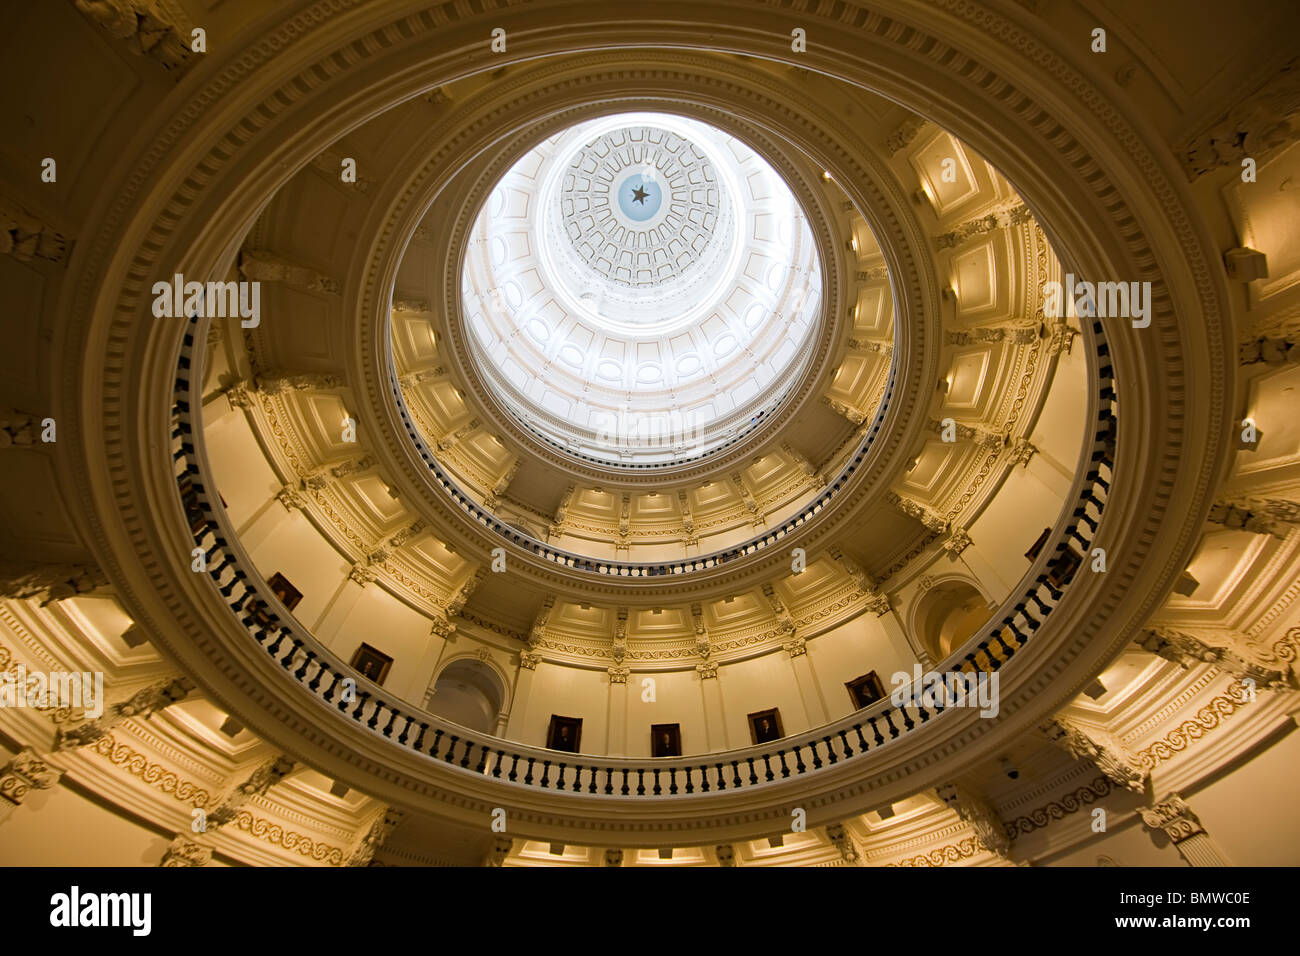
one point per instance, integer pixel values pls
(419, 740)
(735, 770)
(496, 770)
(722, 784)
(704, 778)
(437, 739)
(753, 776)
(301, 672)
(406, 731)
(690, 787)
(767, 767)
(640, 782)
(657, 789)
(591, 787)
(329, 692)
(577, 778)
(361, 704)
(876, 732)
(844, 739)
(451, 748)
(609, 779)
(625, 790)
(514, 763)
(893, 731)
(830, 750)
(546, 773)
(908, 722)
(464, 761)
(388, 728)
(862, 741)
(279, 639)
(799, 765)
(921, 712)
(528, 775)
(482, 760)
(817, 758)
(559, 781)
(289, 655)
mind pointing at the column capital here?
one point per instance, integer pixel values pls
(186, 852)
(1174, 817)
(26, 771)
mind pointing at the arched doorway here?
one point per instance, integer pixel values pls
(469, 693)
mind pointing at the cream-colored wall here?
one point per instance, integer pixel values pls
(1250, 813)
(679, 699)
(59, 828)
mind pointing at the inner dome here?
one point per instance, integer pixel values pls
(641, 290)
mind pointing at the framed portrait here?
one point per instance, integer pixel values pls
(564, 734)
(1062, 567)
(288, 594)
(193, 507)
(765, 725)
(865, 690)
(371, 663)
(665, 740)
(1037, 546)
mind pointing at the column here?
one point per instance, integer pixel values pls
(271, 522)
(715, 726)
(809, 691)
(899, 635)
(616, 726)
(1173, 816)
(528, 661)
(336, 611)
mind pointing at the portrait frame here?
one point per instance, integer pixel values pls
(765, 726)
(865, 690)
(289, 595)
(665, 740)
(371, 663)
(558, 739)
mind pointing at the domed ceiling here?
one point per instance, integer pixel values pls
(641, 289)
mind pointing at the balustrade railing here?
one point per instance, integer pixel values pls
(326, 678)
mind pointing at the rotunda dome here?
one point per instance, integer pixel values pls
(641, 288)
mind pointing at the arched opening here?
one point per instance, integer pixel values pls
(947, 616)
(469, 693)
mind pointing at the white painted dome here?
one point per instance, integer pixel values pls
(641, 289)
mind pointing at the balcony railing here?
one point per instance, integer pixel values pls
(323, 676)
